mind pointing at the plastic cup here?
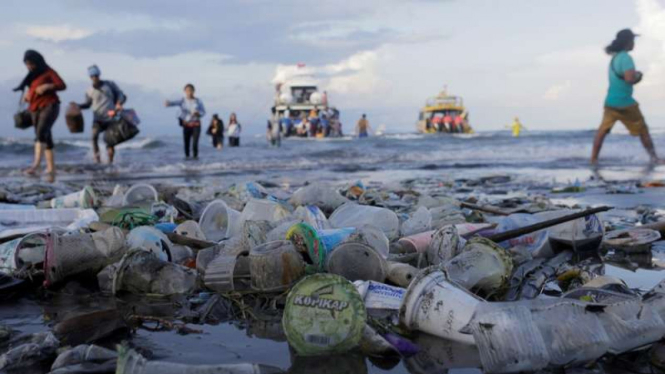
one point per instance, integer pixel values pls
(140, 193)
(84, 199)
(219, 222)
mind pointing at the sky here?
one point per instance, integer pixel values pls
(541, 61)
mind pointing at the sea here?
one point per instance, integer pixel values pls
(561, 156)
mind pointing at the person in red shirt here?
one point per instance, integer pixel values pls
(44, 106)
(448, 122)
(459, 123)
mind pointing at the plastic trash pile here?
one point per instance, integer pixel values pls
(423, 276)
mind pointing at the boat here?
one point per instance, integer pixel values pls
(440, 115)
(302, 109)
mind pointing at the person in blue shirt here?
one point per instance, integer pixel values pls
(191, 112)
(619, 102)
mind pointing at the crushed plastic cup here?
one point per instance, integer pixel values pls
(321, 195)
(324, 314)
(264, 210)
(247, 191)
(482, 265)
(141, 272)
(149, 239)
(356, 215)
(84, 199)
(24, 252)
(419, 222)
(445, 244)
(437, 306)
(140, 193)
(219, 222)
(275, 266)
(68, 255)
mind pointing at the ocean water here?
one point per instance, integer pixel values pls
(559, 155)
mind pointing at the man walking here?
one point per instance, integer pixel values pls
(619, 103)
(106, 99)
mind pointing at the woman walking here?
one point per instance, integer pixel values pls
(44, 106)
(216, 131)
(191, 112)
(234, 131)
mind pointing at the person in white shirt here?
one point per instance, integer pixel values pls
(234, 131)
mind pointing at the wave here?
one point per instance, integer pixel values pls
(145, 143)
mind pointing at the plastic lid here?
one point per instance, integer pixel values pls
(324, 314)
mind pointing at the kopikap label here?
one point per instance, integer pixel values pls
(320, 303)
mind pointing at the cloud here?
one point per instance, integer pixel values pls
(554, 93)
(57, 34)
(651, 47)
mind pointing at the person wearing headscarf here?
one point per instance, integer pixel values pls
(106, 99)
(619, 102)
(42, 84)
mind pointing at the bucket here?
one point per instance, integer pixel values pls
(190, 229)
(357, 261)
(355, 215)
(19, 253)
(149, 239)
(140, 193)
(84, 199)
(218, 221)
(68, 255)
(437, 306)
(324, 314)
(317, 244)
(275, 266)
(482, 265)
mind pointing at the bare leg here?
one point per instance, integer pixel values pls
(36, 163)
(111, 153)
(597, 145)
(645, 138)
(96, 131)
(50, 164)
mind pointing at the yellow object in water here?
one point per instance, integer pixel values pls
(517, 127)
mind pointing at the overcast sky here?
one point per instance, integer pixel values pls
(540, 60)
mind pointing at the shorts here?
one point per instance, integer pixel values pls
(631, 117)
(43, 119)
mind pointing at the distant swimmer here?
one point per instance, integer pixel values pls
(42, 84)
(517, 127)
(363, 128)
(106, 99)
(191, 112)
(619, 102)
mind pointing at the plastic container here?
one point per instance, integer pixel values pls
(275, 266)
(263, 210)
(321, 195)
(482, 265)
(357, 261)
(85, 199)
(140, 193)
(219, 222)
(317, 244)
(419, 222)
(435, 305)
(324, 314)
(379, 295)
(355, 215)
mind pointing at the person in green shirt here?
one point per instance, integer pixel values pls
(619, 102)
